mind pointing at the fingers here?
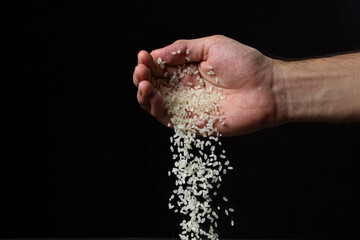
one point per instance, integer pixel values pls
(144, 78)
(152, 102)
(178, 53)
(183, 51)
(157, 109)
(147, 70)
(144, 90)
(147, 60)
(142, 73)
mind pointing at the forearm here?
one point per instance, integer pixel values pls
(318, 90)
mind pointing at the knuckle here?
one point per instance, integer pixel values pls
(179, 42)
(218, 36)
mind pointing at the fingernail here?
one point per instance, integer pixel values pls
(140, 92)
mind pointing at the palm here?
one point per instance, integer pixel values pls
(246, 77)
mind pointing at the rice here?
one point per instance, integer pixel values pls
(211, 73)
(161, 62)
(198, 165)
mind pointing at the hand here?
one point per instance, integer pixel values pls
(245, 75)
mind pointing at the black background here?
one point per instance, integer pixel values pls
(89, 162)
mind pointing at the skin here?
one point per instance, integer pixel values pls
(261, 92)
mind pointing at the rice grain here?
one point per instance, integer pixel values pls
(194, 110)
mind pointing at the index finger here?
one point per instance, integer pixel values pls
(182, 51)
(146, 59)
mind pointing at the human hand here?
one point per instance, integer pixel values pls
(245, 75)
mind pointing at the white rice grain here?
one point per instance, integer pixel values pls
(197, 166)
(211, 73)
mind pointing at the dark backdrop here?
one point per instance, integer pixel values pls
(90, 162)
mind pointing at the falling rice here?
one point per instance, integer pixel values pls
(194, 111)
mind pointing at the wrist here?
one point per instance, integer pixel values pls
(279, 90)
(298, 91)
(317, 90)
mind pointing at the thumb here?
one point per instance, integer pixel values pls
(182, 51)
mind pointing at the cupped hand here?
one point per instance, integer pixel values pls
(245, 75)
